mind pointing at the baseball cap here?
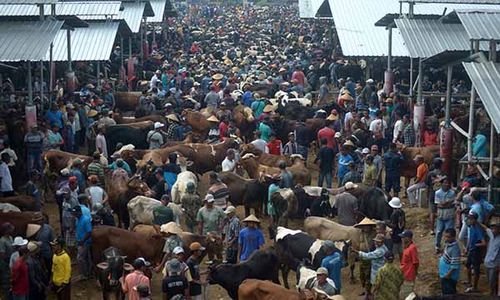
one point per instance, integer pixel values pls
(209, 198)
(141, 262)
(178, 250)
(230, 209)
(406, 234)
(322, 271)
(196, 246)
(337, 134)
(473, 214)
(365, 151)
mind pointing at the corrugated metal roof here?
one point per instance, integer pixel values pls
(93, 43)
(132, 13)
(29, 1)
(454, 1)
(427, 37)
(354, 21)
(85, 10)
(481, 25)
(486, 79)
(22, 41)
(159, 10)
(309, 8)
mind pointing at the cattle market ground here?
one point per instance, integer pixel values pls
(417, 220)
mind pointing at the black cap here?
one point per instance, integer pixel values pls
(406, 234)
(76, 209)
(58, 241)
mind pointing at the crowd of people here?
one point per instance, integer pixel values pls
(213, 59)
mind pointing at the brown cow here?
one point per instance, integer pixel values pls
(244, 121)
(57, 160)
(300, 172)
(265, 159)
(20, 220)
(255, 289)
(250, 193)
(121, 192)
(23, 202)
(211, 242)
(131, 244)
(408, 167)
(198, 122)
(127, 101)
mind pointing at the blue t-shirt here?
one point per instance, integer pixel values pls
(334, 264)
(54, 118)
(247, 98)
(478, 209)
(475, 236)
(83, 226)
(265, 131)
(250, 240)
(450, 260)
(344, 164)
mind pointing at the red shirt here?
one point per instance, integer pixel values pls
(409, 262)
(299, 76)
(19, 278)
(274, 147)
(328, 134)
(222, 130)
(430, 138)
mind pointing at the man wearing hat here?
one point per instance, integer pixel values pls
(388, 280)
(170, 231)
(20, 275)
(347, 205)
(175, 285)
(250, 238)
(218, 190)
(409, 263)
(193, 263)
(38, 279)
(323, 283)
(367, 227)
(155, 137)
(173, 129)
(83, 229)
(191, 203)
(136, 278)
(212, 99)
(422, 170)
(258, 105)
(352, 175)
(397, 224)
(376, 257)
(61, 269)
(17, 244)
(43, 235)
(334, 263)
(231, 233)
(209, 217)
(105, 119)
(343, 160)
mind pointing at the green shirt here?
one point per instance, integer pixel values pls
(162, 215)
(388, 282)
(265, 131)
(370, 176)
(211, 219)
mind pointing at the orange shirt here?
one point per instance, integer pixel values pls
(422, 172)
(409, 262)
(430, 138)
(131, 282)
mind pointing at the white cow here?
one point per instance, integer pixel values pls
(179, 187)
(140, 209)
(6, 207)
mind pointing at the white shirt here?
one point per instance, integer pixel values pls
(154, 81)
(6, 185)
(261, 145)
(378, 122)
(12, 155)
(398, 128)
(96, 194)
(100, 142)
(228, 165)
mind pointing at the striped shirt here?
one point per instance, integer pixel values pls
(95, 168)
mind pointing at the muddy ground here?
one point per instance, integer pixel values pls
(417, 220)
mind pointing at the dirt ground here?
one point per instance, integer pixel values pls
(417, 220)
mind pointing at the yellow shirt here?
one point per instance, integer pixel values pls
(61, 268)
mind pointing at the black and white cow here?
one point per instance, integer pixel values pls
(110, 271)
(295, 247)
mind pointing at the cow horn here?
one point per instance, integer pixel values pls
(103, 265)
(128, 267)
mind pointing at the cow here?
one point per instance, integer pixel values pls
(285, 204)
(119, 194)
(110, 271)
(23, 202)
(254, 289)
(127, 101)
(179, 187)
(244, 120)
(251, 193)
(120, 119)
(6, 207)
(20, 220)
(133, 133)
(198, 122)
(56, 160)
(213, 243)
(305, 278)
(324, 229)
(131, 244)
(265, 159)
(262, 264)
(140, 210)
(373, 202)
(295, 246)
(408, 167)
(300, 173)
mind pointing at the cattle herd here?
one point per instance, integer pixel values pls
(233, 106)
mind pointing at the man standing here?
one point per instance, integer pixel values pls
(376, 257)
(422, 170)
(408, 132)
(209, 217)
(100, 142)
(20, 276)
(34, 141)
(347, 206)
(388, 280)
(95, 168)
(136, 278)
(229, 163)
(83, 228)
(191, 203)
(286, 179)
(250, 238)
(397, 224)
(219, 191)
(328, 134)
(232, 231)
(61, 270)
(370, 174)
(392, 162)
(409, 263)
(343, 161)
(6, 188)
(291, 147)
(492, 259)
(444, 200)
(193, 263)
(334, 263)
(474, 243)
(449, 263)
(155, 137)
(325, 160)
(353, 174)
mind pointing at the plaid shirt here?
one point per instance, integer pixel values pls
(232, 231)
(409, 135)
(388, 282)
